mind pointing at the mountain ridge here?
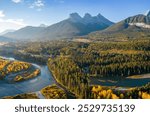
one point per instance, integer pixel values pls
(75, 25)
(134, 27)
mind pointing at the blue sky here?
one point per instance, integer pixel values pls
(18, 13)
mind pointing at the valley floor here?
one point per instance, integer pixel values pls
(81, 68)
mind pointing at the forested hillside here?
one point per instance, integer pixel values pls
(112, 60)
(68, 74)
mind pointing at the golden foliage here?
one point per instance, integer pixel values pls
(99, 92)
(53, 92)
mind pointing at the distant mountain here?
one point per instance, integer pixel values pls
(26, 33)
(135, 27)
(7, 31)
(75, 25)
(5, 39)
(88, 19)
(43, 25)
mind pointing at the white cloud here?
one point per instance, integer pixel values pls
(16, 21)
(38, 4)
(10, 23)
(2, 14)
(16, 1)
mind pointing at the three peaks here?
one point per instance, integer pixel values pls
(87, 25)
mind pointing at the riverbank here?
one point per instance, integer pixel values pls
(69, 94)
(33, 85)
(19, 90)
(128, 82)
(143, 76)
(17, 71)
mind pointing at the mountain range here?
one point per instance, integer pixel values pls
(5, 39)
(135, 27)
(75, 25)
(92, 27)
(7, 31)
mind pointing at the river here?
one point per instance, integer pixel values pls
(123, 83)
(32, 85)
(45, 79)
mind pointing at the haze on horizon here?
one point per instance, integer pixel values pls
(15, 14)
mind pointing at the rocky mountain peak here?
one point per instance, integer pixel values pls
(75, 17)
(87, 15)
(99, 15)
(42, 25)
(88, 19)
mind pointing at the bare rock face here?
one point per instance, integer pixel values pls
(147, 13)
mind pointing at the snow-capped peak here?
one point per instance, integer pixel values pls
(147, 13)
